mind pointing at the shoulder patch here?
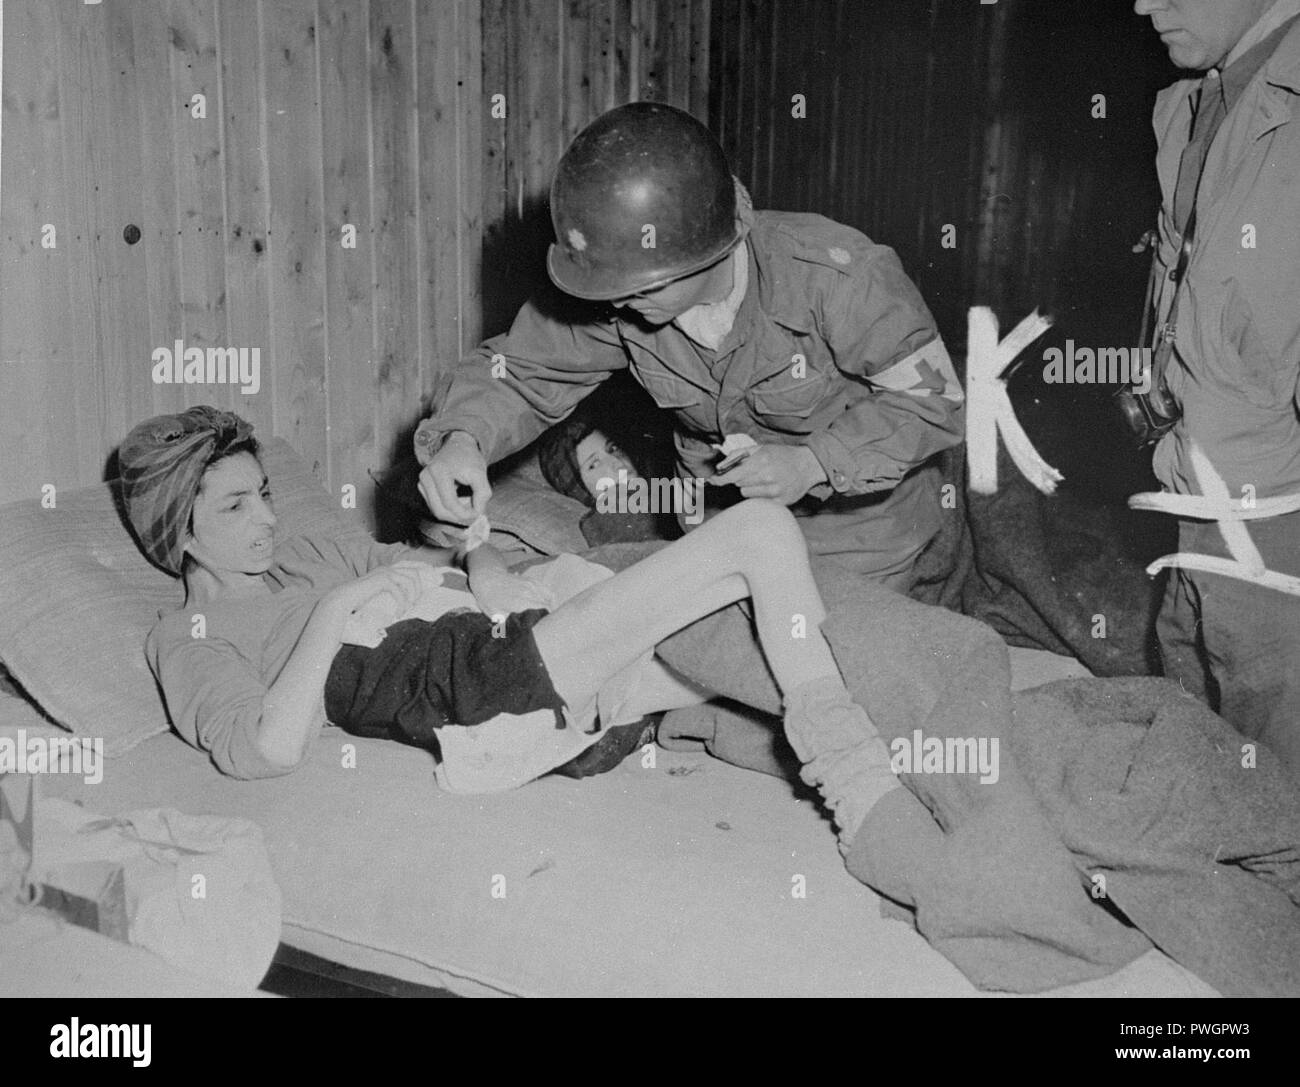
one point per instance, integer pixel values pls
(814, 240)
(829, 244)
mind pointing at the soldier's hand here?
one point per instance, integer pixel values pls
(784, 473)
(458, 463)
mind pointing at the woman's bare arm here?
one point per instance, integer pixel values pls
(293, 709)
(434, 556)
(497, 590)
(485, 563)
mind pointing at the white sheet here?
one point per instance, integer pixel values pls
(681, 878)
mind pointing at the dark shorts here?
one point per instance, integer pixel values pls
(452, 672)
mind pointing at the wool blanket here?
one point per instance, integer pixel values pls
(1123, 814)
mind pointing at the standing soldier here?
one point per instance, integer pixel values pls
(1229, 258)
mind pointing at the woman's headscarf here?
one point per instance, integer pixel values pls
(161, 464)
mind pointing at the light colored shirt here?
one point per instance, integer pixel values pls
(215, 663)
(708, 323)
(1220, 92)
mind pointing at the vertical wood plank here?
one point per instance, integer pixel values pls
(599, 66)
(824, 124)
(792, 73)
(544, 131)
(469, 130)
(161, 227)
(518, 116)
(650, 73)
(395, 196)
(679, 57)
(987, 284)
(195, 69)
(342, 36)
(294, 243)
(764, 76)
(496, 48)
(724, 51)
(437, 54)
(576, 44)
(700, 37)
(924, 212)
(247, 209)
(758, 20)
(47, 425)
(102, 153)
(531, 138)
(857, 145)
(73, 35)
(626, 51)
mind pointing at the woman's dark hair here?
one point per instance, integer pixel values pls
(621, 410)
(557, 455)
(245, 445)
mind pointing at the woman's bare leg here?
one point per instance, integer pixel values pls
(660, 688)
(752, 549)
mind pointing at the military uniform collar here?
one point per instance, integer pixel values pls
(1282, 11)
(1283, 68)
(772, 251)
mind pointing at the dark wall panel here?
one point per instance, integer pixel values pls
(927, 113)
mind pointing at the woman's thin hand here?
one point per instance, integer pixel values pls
(401, 581)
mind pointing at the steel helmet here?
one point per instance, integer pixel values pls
(643, 196)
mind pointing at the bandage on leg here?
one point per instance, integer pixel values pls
(843, 755)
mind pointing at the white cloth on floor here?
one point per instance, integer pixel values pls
(200, 892)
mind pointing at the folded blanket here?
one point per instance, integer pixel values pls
(1124, 779)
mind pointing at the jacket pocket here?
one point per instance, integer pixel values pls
(786, 402)
(668, 390)
(1242, 359)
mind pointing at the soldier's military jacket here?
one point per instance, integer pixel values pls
(832, 348)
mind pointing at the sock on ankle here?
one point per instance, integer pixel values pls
(843, 754)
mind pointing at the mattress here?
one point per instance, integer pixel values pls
(672, 875)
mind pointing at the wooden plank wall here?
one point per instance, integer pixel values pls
(560, 64)
(318, 114)
(923, 113)
(378, 113)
